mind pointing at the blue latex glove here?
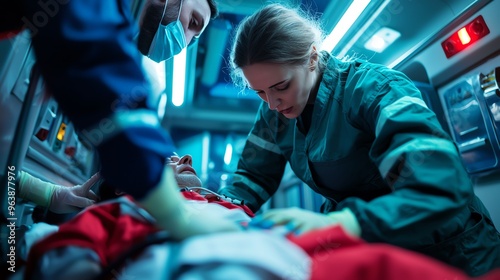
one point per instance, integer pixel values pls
(301, 220)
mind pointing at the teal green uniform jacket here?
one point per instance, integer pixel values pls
(375, 147)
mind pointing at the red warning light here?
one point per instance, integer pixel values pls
(465, 36)
(42, 134)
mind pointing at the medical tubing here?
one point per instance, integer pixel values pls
(223, 197)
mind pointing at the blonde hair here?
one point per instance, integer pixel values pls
(275, 34)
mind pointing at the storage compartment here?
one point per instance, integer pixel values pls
(472, 109)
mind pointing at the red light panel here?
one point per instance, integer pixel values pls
(465, 36)
(42, 134)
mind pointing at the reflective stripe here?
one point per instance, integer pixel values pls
(266, 145)
(424, 147)
(396, 107)
(240, 181)
(107, 128)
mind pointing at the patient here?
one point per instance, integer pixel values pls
(88, 243)
(189, 183)
(101, 227)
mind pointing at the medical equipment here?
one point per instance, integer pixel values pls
(205, 191)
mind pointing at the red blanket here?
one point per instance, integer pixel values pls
(110, 229)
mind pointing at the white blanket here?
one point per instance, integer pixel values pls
(251, 254)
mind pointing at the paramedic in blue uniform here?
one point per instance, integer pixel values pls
(360, 135)
(91, 64)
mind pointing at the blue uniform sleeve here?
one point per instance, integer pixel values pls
(92, 67)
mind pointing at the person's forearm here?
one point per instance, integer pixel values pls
(169, 208)
(35, 190)
(420, 204)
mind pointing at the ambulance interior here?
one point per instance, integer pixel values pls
(449, 48)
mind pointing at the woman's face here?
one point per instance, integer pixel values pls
(284, 88)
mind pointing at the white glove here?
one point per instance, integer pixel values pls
(302, 221)
(73, 199)
(58, 199)
(173, 214)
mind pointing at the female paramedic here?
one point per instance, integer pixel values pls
(359, 134)
(91, 65)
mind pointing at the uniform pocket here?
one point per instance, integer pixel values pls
(476, 250)
(354, 175)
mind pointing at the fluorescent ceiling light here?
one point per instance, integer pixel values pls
(347, 20)
(156, 75)
(228, 154)
(383, 38)
(362, 31)
(179, 78)
(162, 104)
(205, 148)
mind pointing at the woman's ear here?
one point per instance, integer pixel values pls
(313, 60)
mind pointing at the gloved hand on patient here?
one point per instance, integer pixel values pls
(301, 221)
(173, 214)
(58, 199)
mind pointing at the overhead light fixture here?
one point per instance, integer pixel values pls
(162, 104)
(347, 20)
(179, 78)
(217, 37)
(228, 154)
(383, 38)
(156, 74)
(205, 155)
(362, 31)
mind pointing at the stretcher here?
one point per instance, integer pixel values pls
(117, 240)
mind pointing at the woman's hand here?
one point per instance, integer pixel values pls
(301, 221)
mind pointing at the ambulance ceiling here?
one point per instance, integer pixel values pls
(212, 102)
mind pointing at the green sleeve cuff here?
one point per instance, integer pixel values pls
(35, 190)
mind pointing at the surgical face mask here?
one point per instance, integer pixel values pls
(169, 40)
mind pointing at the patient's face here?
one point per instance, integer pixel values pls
(185, 175)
